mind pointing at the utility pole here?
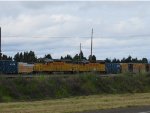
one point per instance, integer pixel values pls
(91, 44)
(0, 45)
(80, 51)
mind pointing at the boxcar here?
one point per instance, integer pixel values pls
(8, 67)
(139, 68)
(147, 66)
(127, 67)
(113, 68)
(134, 67)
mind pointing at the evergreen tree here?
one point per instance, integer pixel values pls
(134, 60)
(76, 57)
(144, 60)
(129, 59)
(25, 55)
(21, 57)
(17, 57)
(107, 60)
(28, 57)
(114, 60)
(31, 57)
(118, 61)
(92, 58)
(61, 58)
(5, 57)
(48, 56)
(68, 57)
(81, 55)
(123, 60)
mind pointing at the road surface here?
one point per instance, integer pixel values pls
(142, 109)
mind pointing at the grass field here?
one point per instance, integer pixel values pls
(76, 104)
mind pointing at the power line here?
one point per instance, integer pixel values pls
(57, 37)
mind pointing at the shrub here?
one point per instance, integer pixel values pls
(72, 85)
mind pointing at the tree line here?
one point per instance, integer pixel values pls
(30, 57)
(129, 59)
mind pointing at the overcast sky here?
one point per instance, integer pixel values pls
(58, 28)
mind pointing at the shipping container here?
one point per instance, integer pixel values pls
(113, 68)
(8, 67)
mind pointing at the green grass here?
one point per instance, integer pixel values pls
(77, 104)
(62, 86)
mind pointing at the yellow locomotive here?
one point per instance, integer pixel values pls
(69, 67)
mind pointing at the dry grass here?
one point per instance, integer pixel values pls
(75, 104)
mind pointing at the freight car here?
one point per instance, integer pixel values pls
(135, 67)
(13, 67)
(8, 67)
(113, 68)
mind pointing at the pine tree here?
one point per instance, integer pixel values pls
(108, 60)
(76, 57)
(48, 56)
(144, 60)
(92, 58)
(17, 58)
(61, 58)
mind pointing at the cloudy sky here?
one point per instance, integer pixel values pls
(58, 28)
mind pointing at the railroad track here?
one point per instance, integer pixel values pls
(36, 75)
